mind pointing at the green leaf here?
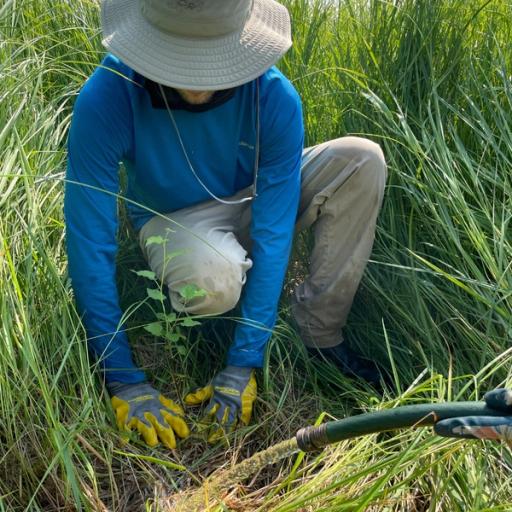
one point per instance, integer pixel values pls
(155, 293)
(154, 328)
(157, 239)
(146, 273)
(182, 350)
(190, 291)
(188, 322)
(166, 317)
(174, 336)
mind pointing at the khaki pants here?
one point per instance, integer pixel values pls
(341, 193)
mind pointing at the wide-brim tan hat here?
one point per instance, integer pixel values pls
(197, 44)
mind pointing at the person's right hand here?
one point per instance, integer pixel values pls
(482, 427)
(154, 416)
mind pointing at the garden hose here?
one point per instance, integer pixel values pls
(315, 438)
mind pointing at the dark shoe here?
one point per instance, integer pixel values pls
(349, 363)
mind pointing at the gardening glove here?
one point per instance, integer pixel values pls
(142, 407)
(482, 427)
(232, 394)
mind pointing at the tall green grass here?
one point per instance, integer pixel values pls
(431, 82)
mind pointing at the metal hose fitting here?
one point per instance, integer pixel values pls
(310, 439)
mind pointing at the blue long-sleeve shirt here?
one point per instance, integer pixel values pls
(114, 121)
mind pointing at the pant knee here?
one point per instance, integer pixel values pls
(371, 160)
(217, 282)
(375, 165)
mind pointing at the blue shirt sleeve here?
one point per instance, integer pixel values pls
(274, 212)
(100, 135)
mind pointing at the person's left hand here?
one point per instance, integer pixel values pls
(232, 394)
(498, 428)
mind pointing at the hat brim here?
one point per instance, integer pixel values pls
(196, 63)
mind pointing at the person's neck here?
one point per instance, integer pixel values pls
(177, 102)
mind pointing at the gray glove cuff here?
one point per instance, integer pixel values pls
(239, 371)
(116, 388)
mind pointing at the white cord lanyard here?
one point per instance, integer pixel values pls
(257, 152)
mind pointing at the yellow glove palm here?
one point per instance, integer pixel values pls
(141, 407)
(232, 394)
